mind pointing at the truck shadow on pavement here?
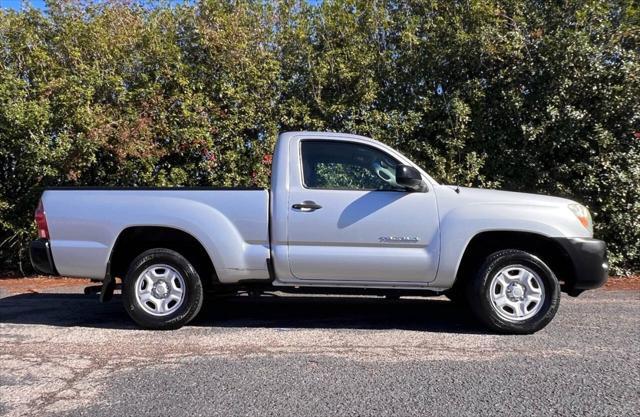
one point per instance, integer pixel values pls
(281, 312)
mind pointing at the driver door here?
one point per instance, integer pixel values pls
(350, 222)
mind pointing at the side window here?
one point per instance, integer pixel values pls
(347, 166)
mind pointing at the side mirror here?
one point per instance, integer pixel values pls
(409, 178)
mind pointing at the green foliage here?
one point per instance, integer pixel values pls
(521, 95)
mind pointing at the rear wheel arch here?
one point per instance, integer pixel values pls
(134, 240)
(485, 243)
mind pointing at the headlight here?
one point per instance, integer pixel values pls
(583, 215)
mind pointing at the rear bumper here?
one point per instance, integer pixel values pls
(589, 260)
(41, 259)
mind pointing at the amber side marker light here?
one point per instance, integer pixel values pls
(583, 215)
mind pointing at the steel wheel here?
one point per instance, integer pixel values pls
(160, 290)
(516, 293)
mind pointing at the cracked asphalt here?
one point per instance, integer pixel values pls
(64, 354)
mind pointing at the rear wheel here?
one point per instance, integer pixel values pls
(514, 292)
(162, 290)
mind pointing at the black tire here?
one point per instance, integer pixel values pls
(479, 292)
(192, 298)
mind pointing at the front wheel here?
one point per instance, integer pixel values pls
(514, 292)
(162, 290)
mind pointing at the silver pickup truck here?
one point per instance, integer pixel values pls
(345, 215)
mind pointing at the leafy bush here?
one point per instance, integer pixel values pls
(531, 96)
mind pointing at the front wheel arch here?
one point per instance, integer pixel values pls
(485, 243)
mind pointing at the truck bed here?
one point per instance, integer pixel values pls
(84, 224)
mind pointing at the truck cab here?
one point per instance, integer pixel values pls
(341, 216)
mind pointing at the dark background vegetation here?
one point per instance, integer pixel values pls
(531, 96)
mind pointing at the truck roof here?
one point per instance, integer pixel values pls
(321, 135)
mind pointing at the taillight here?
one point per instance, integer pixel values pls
(41, 222)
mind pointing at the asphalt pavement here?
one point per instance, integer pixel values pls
(63, 353)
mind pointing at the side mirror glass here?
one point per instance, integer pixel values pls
(409, 178)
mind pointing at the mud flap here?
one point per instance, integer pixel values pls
(108, 286)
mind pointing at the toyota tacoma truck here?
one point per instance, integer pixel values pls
(345, 215)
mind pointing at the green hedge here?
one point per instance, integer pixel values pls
(521, 95)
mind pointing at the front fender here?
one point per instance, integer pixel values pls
(460, 225)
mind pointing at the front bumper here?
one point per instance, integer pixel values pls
(589, 260)
(41, 258)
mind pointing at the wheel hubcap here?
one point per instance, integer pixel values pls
(160, 290)
(517, 293)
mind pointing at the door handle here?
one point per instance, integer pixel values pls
(306, 206)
